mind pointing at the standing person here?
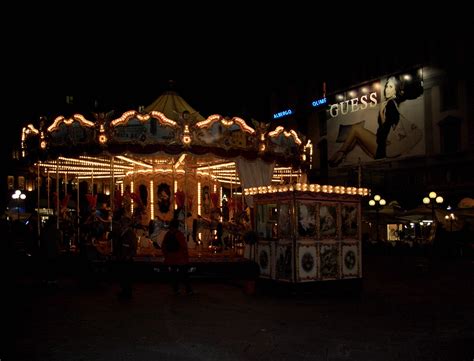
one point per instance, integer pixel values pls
(175, 252)
(51, 239)
(125, 250)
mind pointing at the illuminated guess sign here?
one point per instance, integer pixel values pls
(282, 114)
(353, 104)
(319, 102)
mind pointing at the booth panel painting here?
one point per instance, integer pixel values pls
(350, 256)
(350, 221)
(329, 260)
(264, 259)
(284, 262)
(307, 219)
(307, 258)
(328, 221)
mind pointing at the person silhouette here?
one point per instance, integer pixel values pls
(176, 257)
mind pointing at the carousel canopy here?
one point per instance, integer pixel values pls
(172, 105)
(166, 136)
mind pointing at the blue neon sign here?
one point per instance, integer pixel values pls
(319, 102)
(282, 114)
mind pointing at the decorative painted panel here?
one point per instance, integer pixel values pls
(350, 256)
(306, 219)
(328, 221)
(329, 260)
(350, 221)
(284, 262)
(307, 261)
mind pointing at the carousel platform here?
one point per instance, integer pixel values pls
(204, 263)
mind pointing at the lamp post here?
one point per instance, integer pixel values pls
(19, 196)
(451, 218)
(433, 199)
(377, 202)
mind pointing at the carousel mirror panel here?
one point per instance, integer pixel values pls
(267, 221)
(284, 221)
(264, 259)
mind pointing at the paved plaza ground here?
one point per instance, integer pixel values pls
(408, 308)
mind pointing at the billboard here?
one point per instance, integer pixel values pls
(383, 119)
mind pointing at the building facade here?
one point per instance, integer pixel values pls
(427, 136)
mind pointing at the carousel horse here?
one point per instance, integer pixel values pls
(207, 232)
(235, 229)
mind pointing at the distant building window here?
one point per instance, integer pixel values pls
(449, 95)
(21, 183)
(450, 134)
(11, 182)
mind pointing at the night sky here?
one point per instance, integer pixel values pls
(239, 83)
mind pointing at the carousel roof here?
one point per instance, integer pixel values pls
(172, 105)
(166, 134)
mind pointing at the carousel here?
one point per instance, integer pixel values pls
(154, 164)
(239, 191)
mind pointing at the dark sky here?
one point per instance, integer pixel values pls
(239, 83)
(232, 97)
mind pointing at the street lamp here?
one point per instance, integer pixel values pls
(377, 202)
(451, 218)
(19, 196)
(433, 199)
